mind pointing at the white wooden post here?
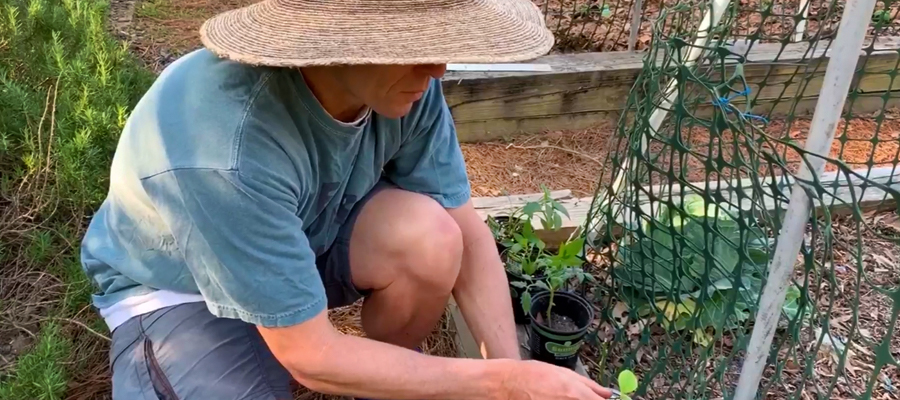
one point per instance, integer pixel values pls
(801, 25)
(835, 87)
(710, 19)
(636, 19)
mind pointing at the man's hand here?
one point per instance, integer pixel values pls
(324, 360)
(536, 380)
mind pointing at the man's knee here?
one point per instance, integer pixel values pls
(433, 247)
(420, 240)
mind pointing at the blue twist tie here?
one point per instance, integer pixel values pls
(725, 102)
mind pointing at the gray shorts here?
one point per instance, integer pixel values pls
(184, 352)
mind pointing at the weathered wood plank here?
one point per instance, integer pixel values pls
(591, 88)
(499, 202)
(840, 195)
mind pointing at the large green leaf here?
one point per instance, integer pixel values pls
(717, 313)
(652, 267)
(694, 205)
(792, 302)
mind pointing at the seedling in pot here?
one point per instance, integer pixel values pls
(504, 228)
(524, 254)
(559, 269)
(559, 319)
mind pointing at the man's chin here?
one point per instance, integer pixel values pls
(396, 111)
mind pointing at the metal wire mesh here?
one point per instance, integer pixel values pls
(686, 216)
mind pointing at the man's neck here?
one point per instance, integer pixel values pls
(332, 95)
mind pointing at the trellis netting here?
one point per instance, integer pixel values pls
(691, 208)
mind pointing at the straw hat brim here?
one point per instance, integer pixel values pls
(296, 33)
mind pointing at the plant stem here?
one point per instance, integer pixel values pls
(550, 307)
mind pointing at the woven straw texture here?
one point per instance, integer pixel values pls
(296, 33)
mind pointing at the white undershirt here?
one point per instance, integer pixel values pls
(130, 307)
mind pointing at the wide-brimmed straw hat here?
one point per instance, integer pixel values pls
(296, 33)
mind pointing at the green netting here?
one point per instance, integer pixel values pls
(611, 25)
(688, 210)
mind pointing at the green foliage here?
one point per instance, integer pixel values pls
(524, 252)
(702, 266)
(59, 59)
(563, 268)
(882, 17)
(40, 374)
(41, 246)
(66, 87)
(589, 10)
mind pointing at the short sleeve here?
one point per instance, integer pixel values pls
(430, 160)
(242, 242)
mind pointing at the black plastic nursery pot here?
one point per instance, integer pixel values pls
(556, 346)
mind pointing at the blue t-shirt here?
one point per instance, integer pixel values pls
(230, 179)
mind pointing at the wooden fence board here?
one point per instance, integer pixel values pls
(841, 196)
(591, 88)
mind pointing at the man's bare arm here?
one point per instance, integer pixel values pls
(482, 290)
(327, 361)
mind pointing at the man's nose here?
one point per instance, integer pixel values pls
(436, 71)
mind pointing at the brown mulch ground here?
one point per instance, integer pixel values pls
(574, 159)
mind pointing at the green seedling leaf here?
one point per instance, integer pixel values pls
(526, 301)
(530, 208)
(559, 207)
(520, 285)
(628, 382)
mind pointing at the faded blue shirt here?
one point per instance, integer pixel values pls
(230, 179)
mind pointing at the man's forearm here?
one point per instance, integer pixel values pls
(482, 290)
(366, 368)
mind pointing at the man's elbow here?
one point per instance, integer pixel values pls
(304, 350)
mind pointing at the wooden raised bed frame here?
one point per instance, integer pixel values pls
(586, 89)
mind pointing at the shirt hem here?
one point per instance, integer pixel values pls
(295, 317)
